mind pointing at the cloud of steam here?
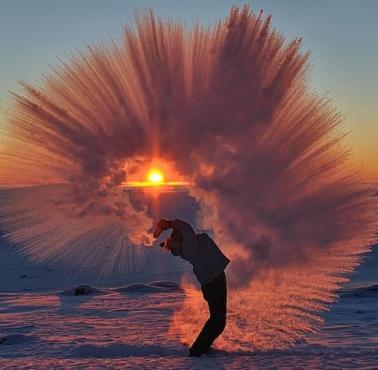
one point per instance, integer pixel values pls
(228, 107)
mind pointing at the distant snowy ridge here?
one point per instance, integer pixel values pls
(12, 339)
(362, 292)
(153, 287)
(83, 289)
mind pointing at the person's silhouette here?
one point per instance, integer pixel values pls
(208, 264)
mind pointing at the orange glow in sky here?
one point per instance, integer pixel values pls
(157, 174)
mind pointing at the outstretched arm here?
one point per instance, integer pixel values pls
(162, 225)
(187, 231)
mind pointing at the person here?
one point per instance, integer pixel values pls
(208, 264)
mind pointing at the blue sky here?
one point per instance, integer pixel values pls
(341, 34)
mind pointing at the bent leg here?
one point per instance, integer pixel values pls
(215, 293)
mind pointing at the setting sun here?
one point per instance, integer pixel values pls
(155, 176)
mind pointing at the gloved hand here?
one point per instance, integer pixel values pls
(161, 225)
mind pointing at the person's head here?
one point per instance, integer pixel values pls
(174, 243)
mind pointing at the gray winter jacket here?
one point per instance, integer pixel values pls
(201, 251)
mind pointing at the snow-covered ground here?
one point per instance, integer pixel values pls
(48, 320)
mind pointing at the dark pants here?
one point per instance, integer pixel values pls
(215, 293)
